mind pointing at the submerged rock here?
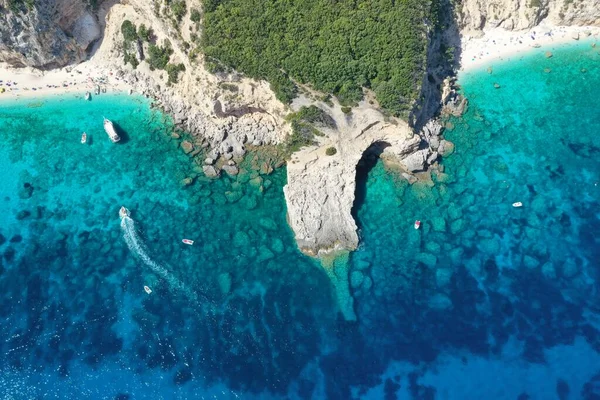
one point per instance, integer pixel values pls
(428, 259)
(241, 239)
(264, 254)
(267, 223)
(233, 195)
(367, 283)
(187, 181)
(549, 271)
(440, 302)
(356, 279)
(231, 170)
(210, 171)
(443, 276)
(22, 214)
(530, 262)
(277, 246)
(446, 148)
(224, 280)
(187, 146)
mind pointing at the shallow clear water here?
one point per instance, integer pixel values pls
(485, 301)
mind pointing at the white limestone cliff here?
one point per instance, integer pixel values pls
(476, 16)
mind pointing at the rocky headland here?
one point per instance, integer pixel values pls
(224, 113)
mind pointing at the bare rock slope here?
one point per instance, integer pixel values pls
(52, 34)
(479, 15)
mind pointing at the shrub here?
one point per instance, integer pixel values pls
(330, 151)
(128, 30)
(158, 57)
(337, 47)
(195, 15)
(130, 59)
(178, 9)
(173, 72)
(229, 86)
(312, 115)
(144, 33)
(302, 135)
(346, 110)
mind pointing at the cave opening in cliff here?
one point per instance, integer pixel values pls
(366, 163)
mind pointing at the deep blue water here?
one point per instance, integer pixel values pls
(485, 301)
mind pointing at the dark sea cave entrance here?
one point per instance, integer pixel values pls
(366, 163)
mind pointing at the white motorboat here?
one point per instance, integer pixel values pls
(123, 212)
(110, 131)
(88, 95)
(147, 289)
(517, 204)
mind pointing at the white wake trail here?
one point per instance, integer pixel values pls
(139, 249)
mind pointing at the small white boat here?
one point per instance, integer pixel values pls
(147, 289)
(88, 95)
(517, 204)
(187, 241)
(110, 131)
(83, 138)
(123, 212)
(417, 224)
(97, 89)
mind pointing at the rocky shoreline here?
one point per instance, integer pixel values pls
(225, 114)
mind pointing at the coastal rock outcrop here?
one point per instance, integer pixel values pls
(320, 191)
(51, 34)
(478, 15)
(222, 112)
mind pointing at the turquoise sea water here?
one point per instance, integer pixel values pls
(485, 301)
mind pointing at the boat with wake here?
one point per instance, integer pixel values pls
(110, 131)
(123, 212)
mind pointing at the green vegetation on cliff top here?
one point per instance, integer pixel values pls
(335, 46)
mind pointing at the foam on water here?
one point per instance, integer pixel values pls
(135, 244)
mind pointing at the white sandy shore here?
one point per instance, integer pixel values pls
(499, 44)
(495, 45)
(28, 82)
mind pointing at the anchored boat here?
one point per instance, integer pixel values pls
(147, 289)
(88, 95)
(83, 138)
(517, 204)
(417, 224)
(110, 131)
(187, 241)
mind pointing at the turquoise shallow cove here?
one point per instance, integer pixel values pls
(484, 301)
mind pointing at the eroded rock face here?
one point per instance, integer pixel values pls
(52, 34)
(321, 189)
(478, 15)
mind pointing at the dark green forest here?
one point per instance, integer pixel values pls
(335, 46)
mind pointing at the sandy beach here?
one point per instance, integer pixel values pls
(82, 78)
(499, 44)
(495, 45)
